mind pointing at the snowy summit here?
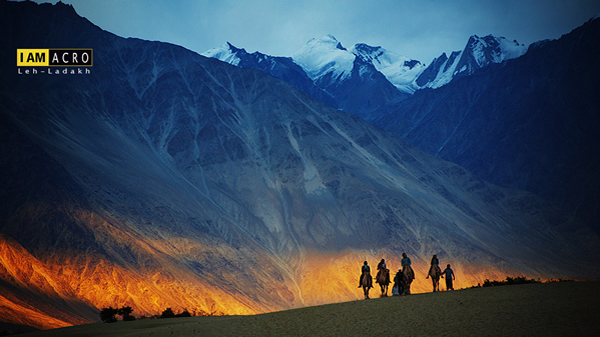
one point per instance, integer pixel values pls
(323, 56)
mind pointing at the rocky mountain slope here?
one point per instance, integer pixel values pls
(283, 68)
(167, 179)
(529, 123)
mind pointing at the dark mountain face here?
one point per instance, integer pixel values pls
(167, 179)
(530, 123)
(430, 73)
(365, 92)
(283, 68)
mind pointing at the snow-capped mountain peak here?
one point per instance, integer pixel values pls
(239, 56)
(226, 53)
(478, 53)
(327, 62)
(328, 40)
(491, 49)
(320, 57)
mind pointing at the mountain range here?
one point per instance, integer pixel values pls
(368, 72)
(520, 117)
(168, 179)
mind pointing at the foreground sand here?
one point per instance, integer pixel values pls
(553, 309)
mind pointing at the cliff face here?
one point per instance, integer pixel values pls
(166, 179)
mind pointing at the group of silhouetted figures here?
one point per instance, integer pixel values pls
(404, 277)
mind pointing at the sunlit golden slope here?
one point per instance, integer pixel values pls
(70, 289)
(152, 282)
(32, 294)
(324, 278)
(80, 285)
(17, 314)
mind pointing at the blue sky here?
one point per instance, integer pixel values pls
(420, 29)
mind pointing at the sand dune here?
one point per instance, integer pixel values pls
(551, 309)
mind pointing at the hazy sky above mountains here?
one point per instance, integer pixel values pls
(418, 29)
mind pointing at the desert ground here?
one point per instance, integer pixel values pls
(541, 309)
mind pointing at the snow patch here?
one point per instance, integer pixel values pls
(223, 53)
(399, 70)
(511, 49)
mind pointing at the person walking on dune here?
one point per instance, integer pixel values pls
(449, 273)
(399, 283)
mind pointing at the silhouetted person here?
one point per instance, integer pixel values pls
(365, 281)
(405, 261)
(434, 262)
(449, 273)
(383, 277)
(407, 271)
(364, 269)
(399, 283)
